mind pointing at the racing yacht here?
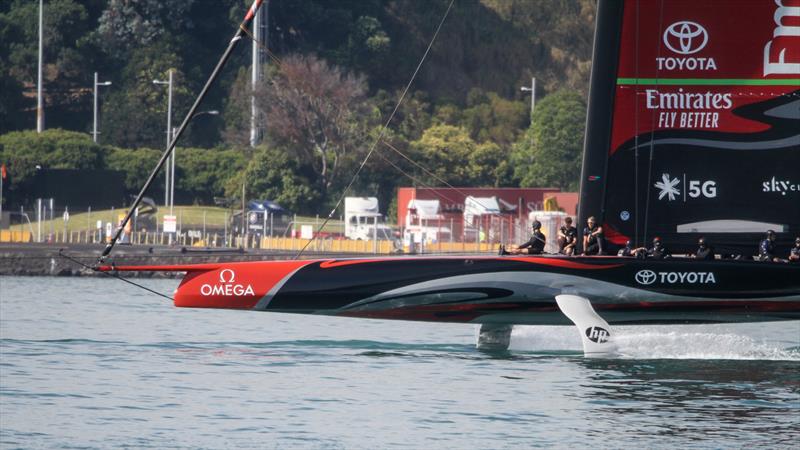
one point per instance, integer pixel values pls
(693, 130)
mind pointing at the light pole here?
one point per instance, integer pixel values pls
(258, 60)
(39, 99)
(170, 169)
(171, 181)
(532, 90)
(96, 84)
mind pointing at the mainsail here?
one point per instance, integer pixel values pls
(694, 123)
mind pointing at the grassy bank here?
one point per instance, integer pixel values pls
(190, 217)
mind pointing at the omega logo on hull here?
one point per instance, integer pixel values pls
(226, 286)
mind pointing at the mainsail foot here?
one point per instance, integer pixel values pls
(594, 331)
(494, 337)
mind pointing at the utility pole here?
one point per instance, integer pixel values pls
(532, 90)
(39, 99)
(169, 170)
(258, 61)
(96, 84)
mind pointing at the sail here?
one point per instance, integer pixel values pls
(693, 126)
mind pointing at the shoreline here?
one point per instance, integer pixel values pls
(46, 259)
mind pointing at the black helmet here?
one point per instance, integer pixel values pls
(701, 242)
(656, 241)
(536, 225)
(628, 243)
(797, 240)
(770, 234)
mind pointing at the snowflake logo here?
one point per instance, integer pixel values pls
(667, 187)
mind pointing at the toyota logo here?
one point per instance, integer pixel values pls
(685, 37)
(645, 277)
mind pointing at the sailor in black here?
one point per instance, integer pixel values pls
(658, 251)
(794, 253)
(567, 238)
(535, 245)
(704, 251)
(592, 238)
(627, 250)
(766, 249)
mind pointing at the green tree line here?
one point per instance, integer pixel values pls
(337, 71)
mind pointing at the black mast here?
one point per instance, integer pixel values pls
(224, 59)
(602, 84)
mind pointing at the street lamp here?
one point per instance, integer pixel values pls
(96, 84)
(171, 164)
(532, 90)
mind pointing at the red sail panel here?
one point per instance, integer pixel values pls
(705, 130)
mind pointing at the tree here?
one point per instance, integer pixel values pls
(317, 112)
(550, 152)
(126, 25)
(452, 156)
(24, 152)
(67, 52)
(134, 113)
(488, 117)
(273, 174)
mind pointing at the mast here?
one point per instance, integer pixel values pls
(605, 56)
(165, 156)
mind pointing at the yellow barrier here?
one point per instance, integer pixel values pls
(383, 247)
(15, 236)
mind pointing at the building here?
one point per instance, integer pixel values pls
(514, 205)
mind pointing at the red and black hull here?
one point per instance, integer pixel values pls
(509, 290)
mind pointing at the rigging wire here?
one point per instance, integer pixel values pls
(652, 130)
(381, 134)
(636, 135)
(112, 275)
(414, 179)
(431, 174)
(263, 46)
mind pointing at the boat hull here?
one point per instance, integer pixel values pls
(501, 289)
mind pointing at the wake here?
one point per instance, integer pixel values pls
(675, 342)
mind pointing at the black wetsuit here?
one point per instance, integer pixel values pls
(706, 253)
(795, 251)
(659, 252)
(594, 245)
(571, 234)
(535, 244)
(766, 250)
(625, 251)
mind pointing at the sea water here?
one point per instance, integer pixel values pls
(96, 363)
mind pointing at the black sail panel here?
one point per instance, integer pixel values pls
(705, 126)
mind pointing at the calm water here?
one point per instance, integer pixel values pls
(96, 363)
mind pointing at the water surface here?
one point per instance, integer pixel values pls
(95, 363)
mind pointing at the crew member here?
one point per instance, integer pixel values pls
(534, 246)
(627, 250)
(794, 253)
(567, 238)
(704, 251)
(592, 238)
(766, 249)
(658, 251)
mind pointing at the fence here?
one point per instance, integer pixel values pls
(485, 234)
